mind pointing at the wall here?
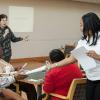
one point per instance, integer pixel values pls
(56, 22)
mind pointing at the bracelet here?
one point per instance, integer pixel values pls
(49, 67)
(56, 64)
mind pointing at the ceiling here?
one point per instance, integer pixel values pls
(89, 1)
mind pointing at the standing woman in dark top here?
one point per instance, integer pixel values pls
(6, 36)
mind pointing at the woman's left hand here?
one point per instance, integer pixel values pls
(18, 68)
(93, 54)
(19, 76)
(26, 38)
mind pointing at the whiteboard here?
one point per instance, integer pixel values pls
(21, 18)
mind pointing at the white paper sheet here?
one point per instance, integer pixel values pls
(27, 72)
(85, 61)
(37, 81)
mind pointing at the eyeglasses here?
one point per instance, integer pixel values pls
(4, 20)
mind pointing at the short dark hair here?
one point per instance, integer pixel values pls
(91, 22)
(3, 16)
(56, 55)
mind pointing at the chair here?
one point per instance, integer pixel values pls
(76, 91)
(68, 49)
(17, 88)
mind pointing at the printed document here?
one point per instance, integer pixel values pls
(36, 75)
(28, 72)
(85, 61)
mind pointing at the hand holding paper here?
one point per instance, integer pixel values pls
(85, 61)
(22, 68)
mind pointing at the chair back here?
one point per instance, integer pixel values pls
(76, 91)
(80, 93)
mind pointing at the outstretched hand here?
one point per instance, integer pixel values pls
(26, 38)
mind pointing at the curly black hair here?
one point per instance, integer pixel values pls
(56, 55)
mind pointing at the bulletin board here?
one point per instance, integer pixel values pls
(21, 18)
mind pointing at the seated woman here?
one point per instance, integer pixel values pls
(58, 80)
(6, 94)
(7, 80)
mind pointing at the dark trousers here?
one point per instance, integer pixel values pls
(29, 89)
(93, 90)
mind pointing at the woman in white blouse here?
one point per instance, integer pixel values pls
(90, 27)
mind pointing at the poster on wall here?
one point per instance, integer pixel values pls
(21, 19)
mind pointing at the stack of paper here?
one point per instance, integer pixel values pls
(85, 61)
(27, 72)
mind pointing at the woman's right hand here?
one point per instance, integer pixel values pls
(50, 66)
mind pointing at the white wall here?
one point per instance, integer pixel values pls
(56, 22)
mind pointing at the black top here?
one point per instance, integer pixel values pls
(5, 42)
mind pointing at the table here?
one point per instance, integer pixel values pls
(38, 85)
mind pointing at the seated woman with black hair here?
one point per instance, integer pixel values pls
(58, 80)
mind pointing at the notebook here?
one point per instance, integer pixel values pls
(35, 74)
(85, 61)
